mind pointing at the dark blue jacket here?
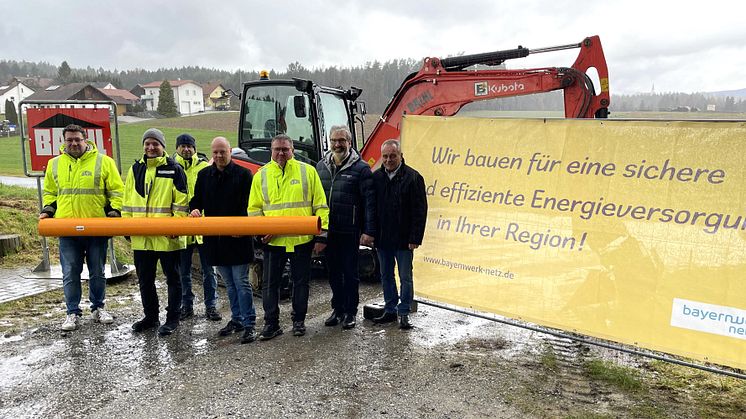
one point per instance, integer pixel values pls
(349, 194)
(402, 208)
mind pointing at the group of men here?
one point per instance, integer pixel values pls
(386, 209)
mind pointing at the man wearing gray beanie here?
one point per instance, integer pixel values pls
(156, 187)
(155, 134)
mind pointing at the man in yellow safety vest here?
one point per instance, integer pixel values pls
(287, 187)
(82, 183)
(193, 163)
(156, 187)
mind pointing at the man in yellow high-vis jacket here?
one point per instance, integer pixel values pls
(82, 183)
(193, 163)
(156, 187)
(287, 187)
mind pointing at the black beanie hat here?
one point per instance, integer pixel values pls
(186, 139)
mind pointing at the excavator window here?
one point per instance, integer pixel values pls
(273, 109)
(335, 113)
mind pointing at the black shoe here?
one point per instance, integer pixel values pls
(334, 319)
(249, 335)
(186, 312)
(168, 328)
(348, 322)
(231, 327)
(212, 314)
(270, 331)
(386, 317)
(299, 328)
(404, 322)
(145, 324)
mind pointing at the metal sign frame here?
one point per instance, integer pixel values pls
(117, 268)
(110, 103)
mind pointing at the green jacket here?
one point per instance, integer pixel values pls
(86, 187)
(191, 168)
(294, 191)
(156, 188)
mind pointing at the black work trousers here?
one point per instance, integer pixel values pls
(146, 265)
(275, 258)
(341, 259)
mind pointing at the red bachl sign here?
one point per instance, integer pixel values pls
(45, 131)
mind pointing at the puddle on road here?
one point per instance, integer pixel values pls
(128, 360)
(450, 328)
(35, 363)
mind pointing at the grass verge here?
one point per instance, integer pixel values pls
(19, 210)
(623, 378)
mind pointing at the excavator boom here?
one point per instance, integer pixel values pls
(443, 86)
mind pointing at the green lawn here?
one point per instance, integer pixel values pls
(130, 139)
(130, 142)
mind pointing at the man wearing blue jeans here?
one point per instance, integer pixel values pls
(73, 250)
(241, 298)
(209, 283)
(401, 218)
(82, 183)
(193, 163)
(223, 190)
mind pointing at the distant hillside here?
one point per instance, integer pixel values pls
(732, 93)
(379, 81)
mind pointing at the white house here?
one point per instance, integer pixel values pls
(15, 91)
(187, 96)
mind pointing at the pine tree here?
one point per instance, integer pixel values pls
(10, 112)
(63, 73)
(166, 104)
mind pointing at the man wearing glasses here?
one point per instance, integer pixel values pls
(348, 183)
(287, 187)
(82, 183)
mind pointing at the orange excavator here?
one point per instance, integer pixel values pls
(305, 111)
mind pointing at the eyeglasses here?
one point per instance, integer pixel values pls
(338, 140)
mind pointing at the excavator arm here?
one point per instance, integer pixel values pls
(443, 87)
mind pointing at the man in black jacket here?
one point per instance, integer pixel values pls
(223, 190)
(400, 223)
(348, 184)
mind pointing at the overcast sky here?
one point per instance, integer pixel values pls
(684, 46)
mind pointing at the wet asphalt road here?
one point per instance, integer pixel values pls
(369, 371)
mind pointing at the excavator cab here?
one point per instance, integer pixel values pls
(301, 109)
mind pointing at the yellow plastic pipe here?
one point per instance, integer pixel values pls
(182, 226)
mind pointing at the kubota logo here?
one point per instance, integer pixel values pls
(482, 88)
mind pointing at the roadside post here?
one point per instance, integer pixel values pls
(42, 140)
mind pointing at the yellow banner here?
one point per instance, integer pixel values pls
(629, 231)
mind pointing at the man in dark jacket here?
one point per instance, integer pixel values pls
(223, 190)
(401, 217)
(348, 184)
